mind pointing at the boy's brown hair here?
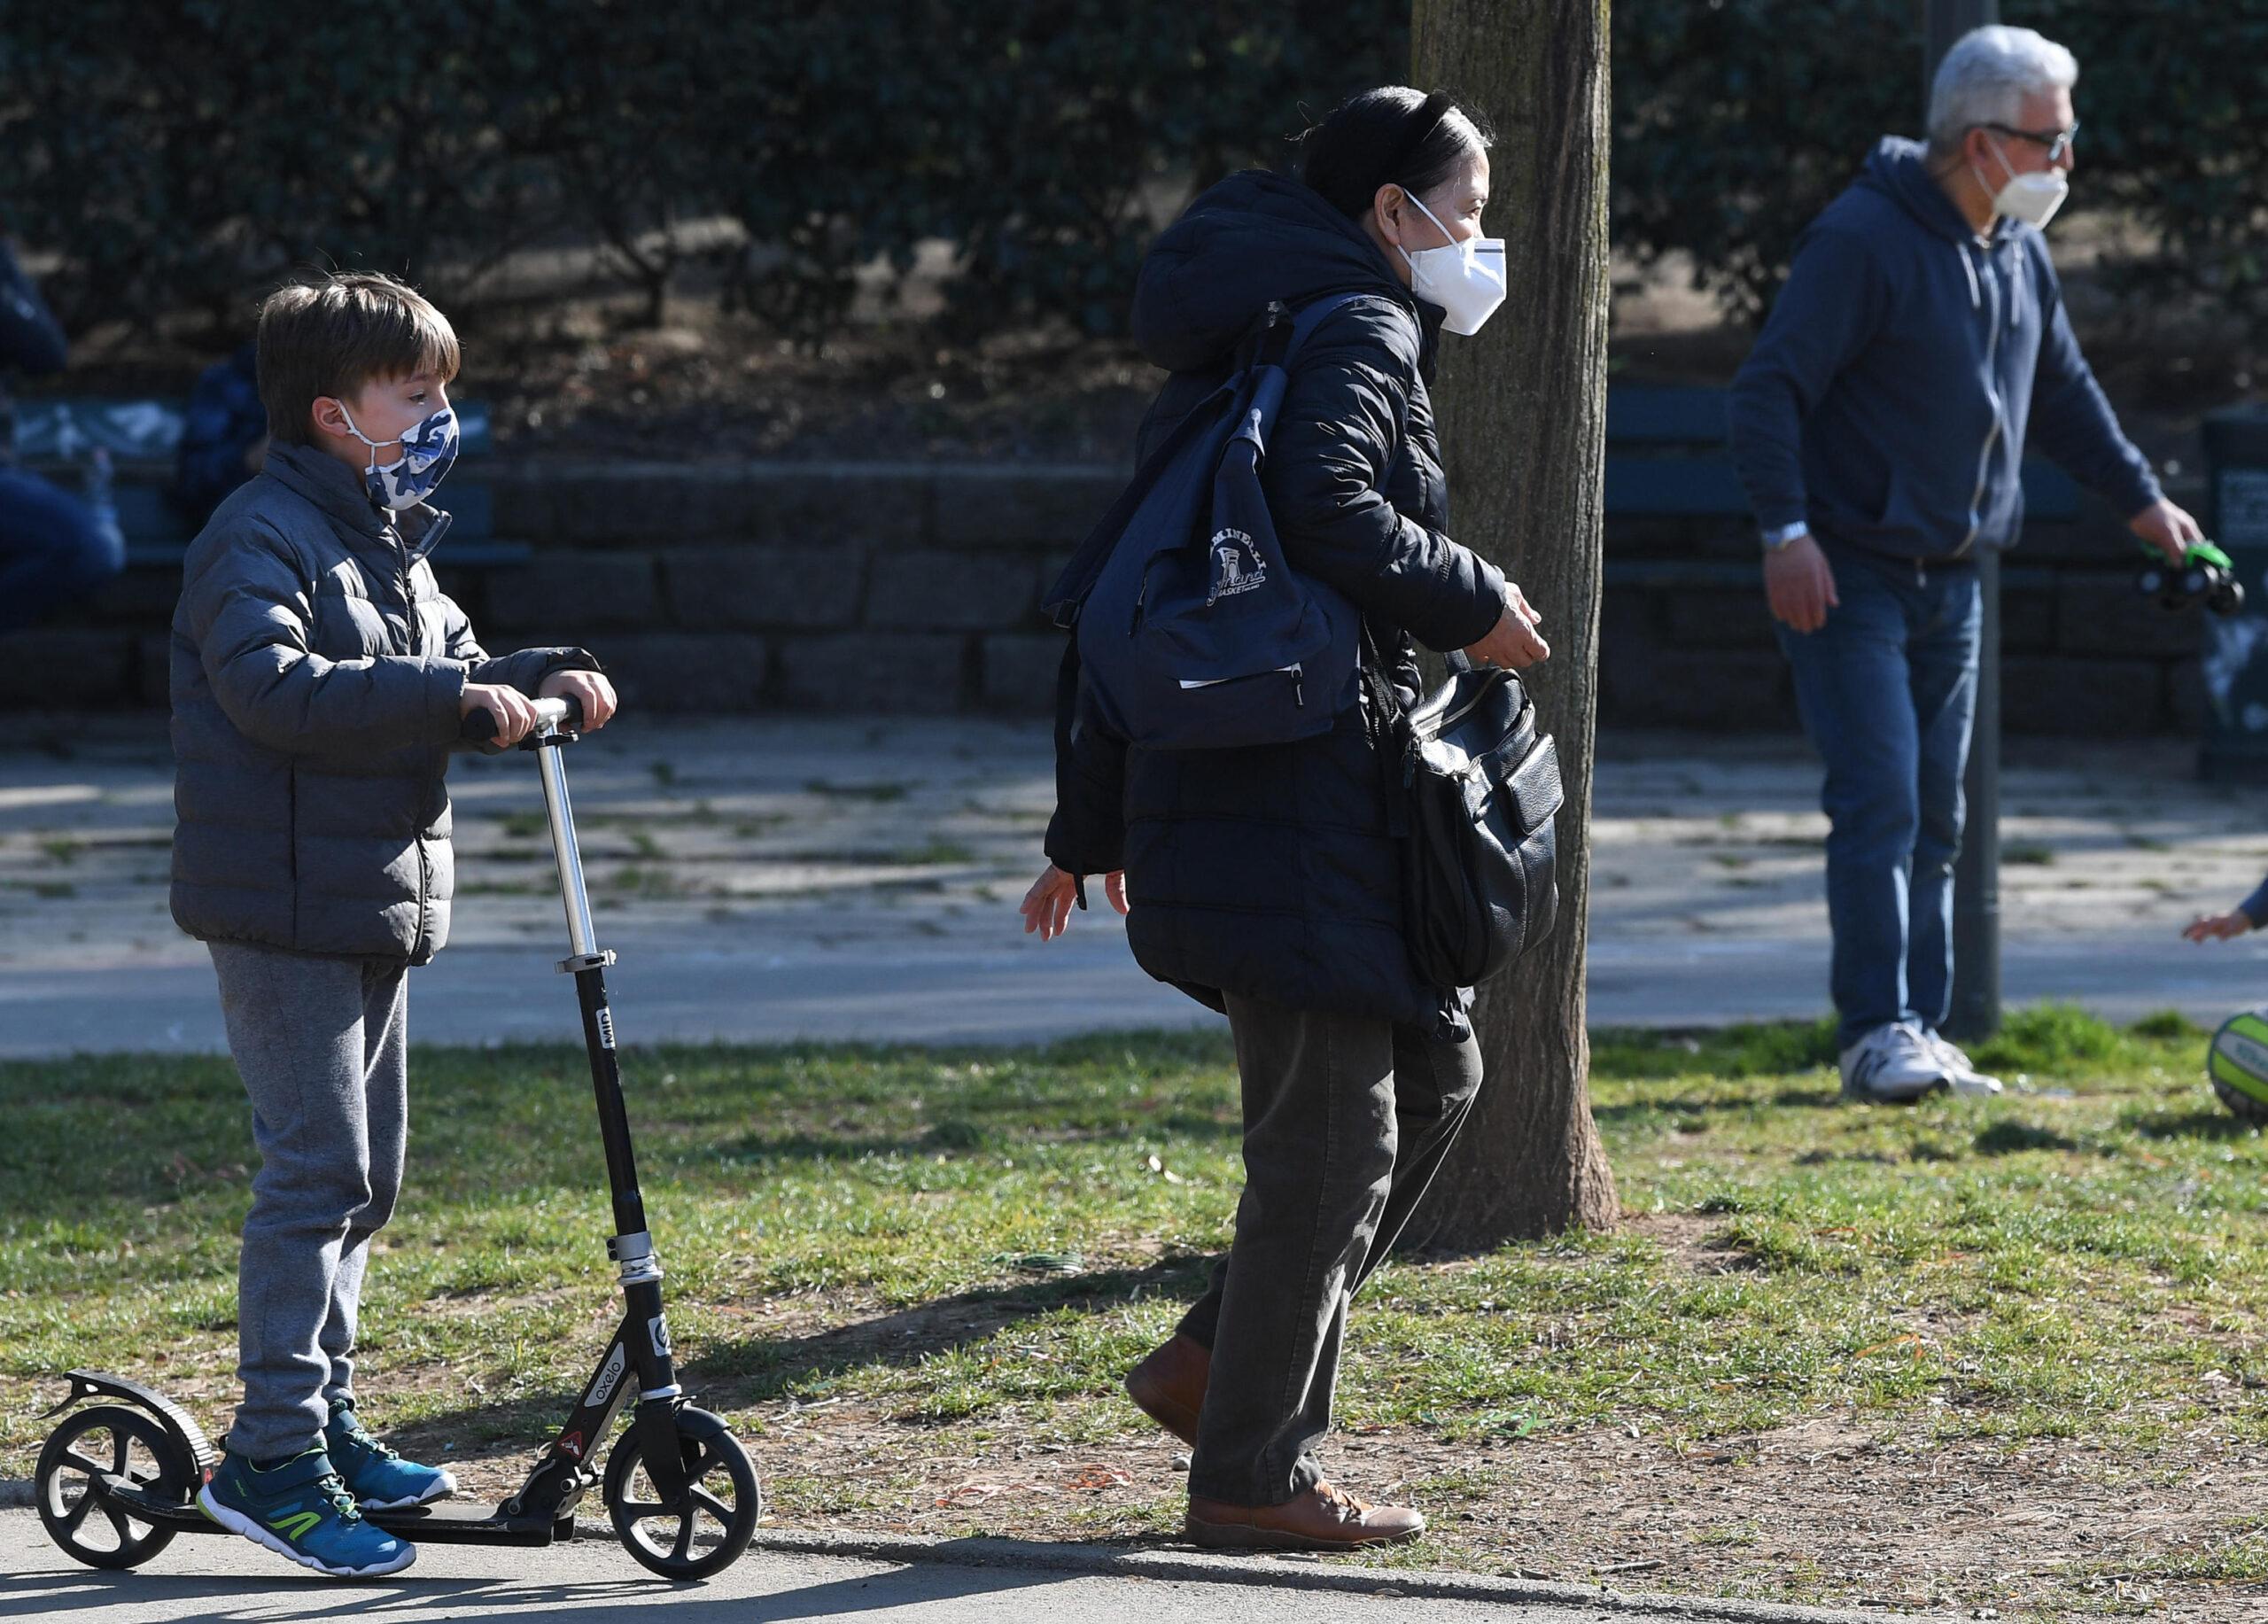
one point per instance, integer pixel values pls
(331, 337)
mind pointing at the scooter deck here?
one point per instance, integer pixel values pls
(442, 1523)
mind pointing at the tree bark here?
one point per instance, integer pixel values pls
(1522, 407)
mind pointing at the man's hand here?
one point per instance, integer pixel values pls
(2217, 927)
(1512, 642)
(2167, 528)
(588, 688)
(1799, 585)
(514, 712)
(1046, 907)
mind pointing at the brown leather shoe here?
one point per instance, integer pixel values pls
(1170, 1385)
(1322, 1519)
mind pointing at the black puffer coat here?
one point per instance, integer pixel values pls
(1270, 873)
(317, 672)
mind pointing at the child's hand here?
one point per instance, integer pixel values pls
(514, 713)
(2217, 927)
(587, 688)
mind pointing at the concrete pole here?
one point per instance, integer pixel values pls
(1977, 876)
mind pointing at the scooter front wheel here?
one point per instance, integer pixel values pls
(721, 1503)
(108, 1440)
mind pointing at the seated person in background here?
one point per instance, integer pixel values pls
(225, 438)
(51, 547)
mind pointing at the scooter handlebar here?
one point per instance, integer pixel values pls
(480, 727)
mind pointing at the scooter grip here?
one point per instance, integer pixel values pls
(479, 724)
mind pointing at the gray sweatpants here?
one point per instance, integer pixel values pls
(322, 1045)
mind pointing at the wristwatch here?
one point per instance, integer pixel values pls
(1776, 539)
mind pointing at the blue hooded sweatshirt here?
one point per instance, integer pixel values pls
(1889, 397)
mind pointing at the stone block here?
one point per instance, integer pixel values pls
(980, 507)
(1727, 618)
(142, 597)
(2028, 618)
(1020, 672)
(2056, 542)
(2188, 704)
(824, 504)
(1729, 690)
(2070, 697)
(586, 589)
(2102, 613)
(679, 672)
(67, 668)
(800, 588)
(154, 653)
(930, 590)
(864, 672)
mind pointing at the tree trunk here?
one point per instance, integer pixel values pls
(1522, 408)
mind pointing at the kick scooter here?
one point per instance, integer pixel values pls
(118, 1480)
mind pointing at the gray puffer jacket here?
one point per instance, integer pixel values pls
(317, 670)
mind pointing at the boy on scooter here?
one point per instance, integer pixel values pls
(320, 677)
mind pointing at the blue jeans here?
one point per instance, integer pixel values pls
(51, 551)
(1887, 689)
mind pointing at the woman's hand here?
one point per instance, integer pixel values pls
(1047, 906)
(2217, 927)
(1513, 643)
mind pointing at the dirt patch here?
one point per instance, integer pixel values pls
(1822, 1511)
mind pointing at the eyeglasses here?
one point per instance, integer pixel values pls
(2057, 141)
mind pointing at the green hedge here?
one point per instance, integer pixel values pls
(1736, 120)
(182, 158)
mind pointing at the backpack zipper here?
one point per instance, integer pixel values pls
(1297, 672)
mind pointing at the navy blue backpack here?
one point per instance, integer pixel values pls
(1193, 632)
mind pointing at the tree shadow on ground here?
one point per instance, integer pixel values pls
(2192, 1125)
(731, 1374)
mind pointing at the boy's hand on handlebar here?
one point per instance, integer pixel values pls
(2217, 927)
(514, 712)
(1513, 643)
(588, 690)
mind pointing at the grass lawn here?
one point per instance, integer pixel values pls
(2008, 1356)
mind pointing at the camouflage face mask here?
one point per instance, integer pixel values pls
(427, 451)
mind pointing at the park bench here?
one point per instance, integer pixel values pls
(1668, 457)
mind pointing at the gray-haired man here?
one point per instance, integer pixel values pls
(1879, 426)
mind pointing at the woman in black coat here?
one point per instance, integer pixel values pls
(1264, 881)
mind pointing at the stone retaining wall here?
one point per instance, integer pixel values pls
(903, 586)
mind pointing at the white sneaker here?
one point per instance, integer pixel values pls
(1895, 1064)
(1961, 1075)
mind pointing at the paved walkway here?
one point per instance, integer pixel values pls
(593, 1581)
(764, 880)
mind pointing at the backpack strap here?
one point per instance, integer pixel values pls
(1069, 592)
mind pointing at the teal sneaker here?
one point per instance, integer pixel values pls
(300, 1510)
(379, 1479)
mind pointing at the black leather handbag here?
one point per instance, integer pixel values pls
(1481, 791)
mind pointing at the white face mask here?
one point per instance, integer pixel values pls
(2032, 198)
(1465, 279)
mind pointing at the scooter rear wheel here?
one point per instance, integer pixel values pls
(114, 1440)
(722, 1501)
